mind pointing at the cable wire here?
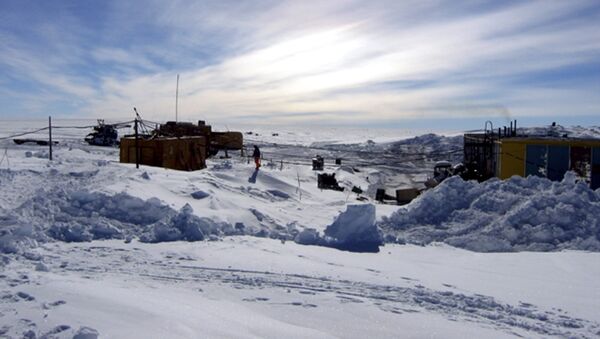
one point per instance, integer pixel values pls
(24, 133)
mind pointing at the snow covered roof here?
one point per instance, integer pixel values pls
(595, 142)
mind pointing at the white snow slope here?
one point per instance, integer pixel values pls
(90, 247)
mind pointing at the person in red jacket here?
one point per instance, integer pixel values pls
(256, 156)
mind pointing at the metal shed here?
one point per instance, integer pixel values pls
(549, 157)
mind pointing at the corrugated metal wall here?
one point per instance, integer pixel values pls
(550, 158)
(512, 160)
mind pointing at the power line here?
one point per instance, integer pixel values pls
(24, 133)
(5, 156)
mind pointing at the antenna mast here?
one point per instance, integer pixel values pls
(176, 97)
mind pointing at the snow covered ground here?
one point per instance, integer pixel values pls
(253, 287)
(90, 246)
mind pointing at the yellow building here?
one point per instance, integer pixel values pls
(549, 157)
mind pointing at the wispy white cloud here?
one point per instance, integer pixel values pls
(260, 58)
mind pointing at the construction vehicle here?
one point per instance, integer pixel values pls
(104, 134)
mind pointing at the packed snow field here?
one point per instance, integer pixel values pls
(91, 247)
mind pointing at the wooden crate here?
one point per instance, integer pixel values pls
(181, 129)
(406, 195)
(187, 153)
(227, 140)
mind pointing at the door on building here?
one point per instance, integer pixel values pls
(595, 168)
(558, 162)
(536, 159)
(581, 162)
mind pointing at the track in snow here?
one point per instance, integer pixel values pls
(407, 296)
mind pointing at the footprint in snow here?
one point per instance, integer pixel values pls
(409, 279)
(269, 251)
(7, 297)
(48, 306)
(26, 322)
(253, 300)
(344, 300)
(306, 292)
(58, 329)
(186, 258)
(25, 296)
(298, 303)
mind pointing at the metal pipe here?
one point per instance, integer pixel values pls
(491, 127)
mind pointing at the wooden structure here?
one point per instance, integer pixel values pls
(406, 195)
(186, 153)
(215, 141)
(227, 140)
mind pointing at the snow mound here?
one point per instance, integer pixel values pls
(198, 195)
(449, 147)
(592, 132)
(185, 225)
(77, 216)
(308, 236)
(221, 166)
(86, 333)
(353, 230)
(433, 140)
(531, 214)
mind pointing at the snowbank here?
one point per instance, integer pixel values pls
(353, 230)
(559, 130)
(76, 216)
(432, 140)
(79, 216)
(533, 214)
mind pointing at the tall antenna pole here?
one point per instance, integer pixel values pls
(176, 97)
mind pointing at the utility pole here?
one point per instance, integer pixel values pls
(50, 137)
(137, 149)
(176, 97)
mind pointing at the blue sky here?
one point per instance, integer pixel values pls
(376, 63)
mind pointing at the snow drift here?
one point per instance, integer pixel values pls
(532, 214)
(353, 230)
(66, 215)
(77, 216)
